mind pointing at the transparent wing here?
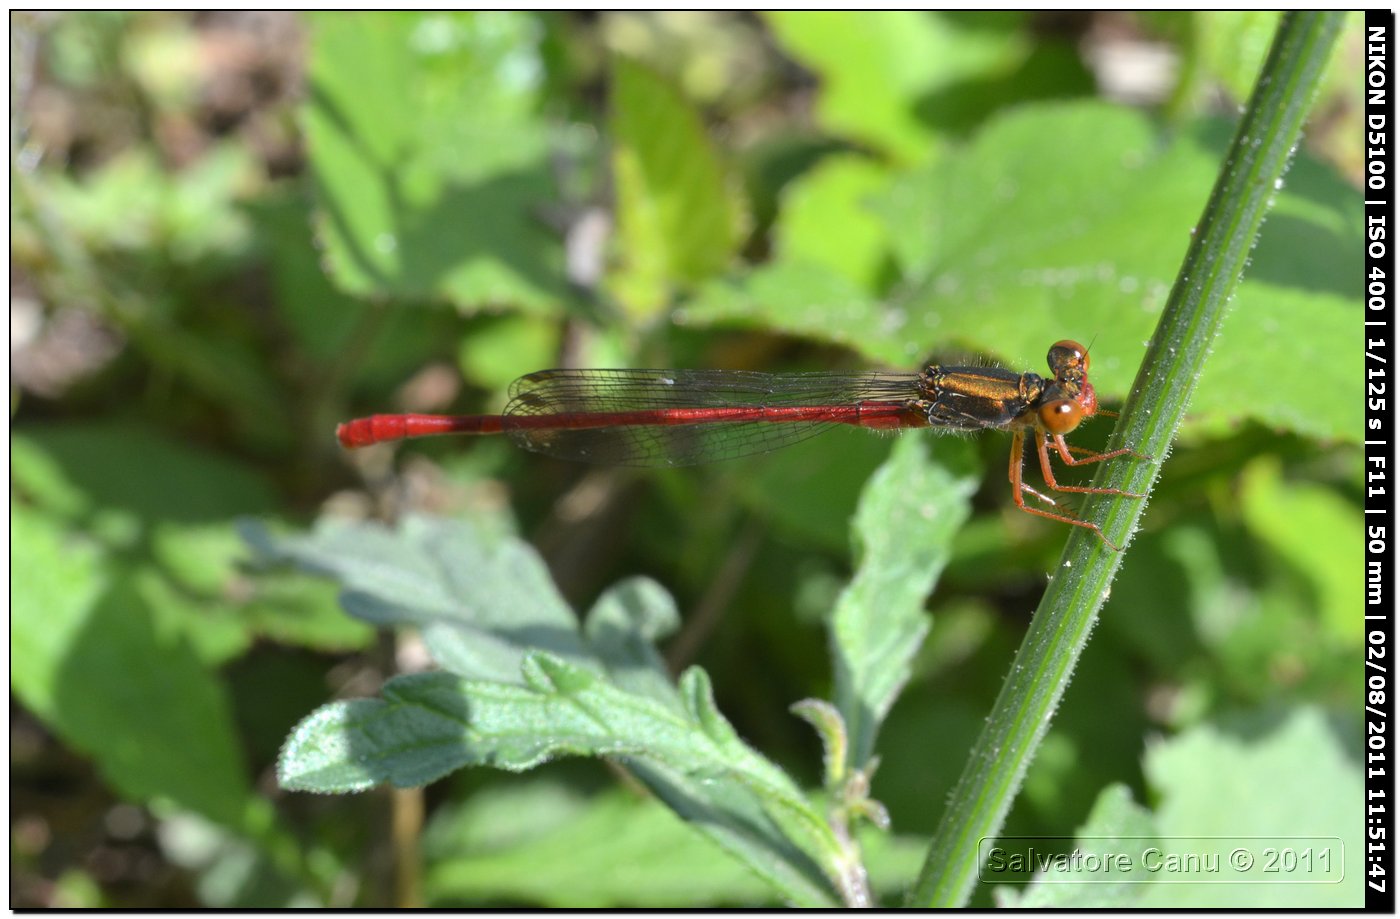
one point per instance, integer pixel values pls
(687, 417)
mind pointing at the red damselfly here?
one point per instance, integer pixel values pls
(685, 417)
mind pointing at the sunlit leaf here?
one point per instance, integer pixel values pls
(486, 605)
(677, 223)
(879, 69)
(430, 157)
(1063, 221)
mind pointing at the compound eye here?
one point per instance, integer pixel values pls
(1066, 354)
(1061, 416)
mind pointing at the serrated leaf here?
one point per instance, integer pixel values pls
(904, 528)
(428, 725)
(609, 700)
(430, 159)
(677, 223)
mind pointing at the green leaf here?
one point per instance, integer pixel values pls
(1226, 779)
(740, 821)
(1035, 231)
(623, 628)
(537, 841)
(485, 603)
(1116, 824)
(878, 69)
(292, 610)
(908, 515)
(1232, 44)
(376, 349)
(428, 725)
(677, 220)
(826, 218)
(78, 470)
(1032, 232)
(497, 347)
(1319, 534)
(837, 465)
(430, 159)
(115, 677)
(798, 297)
(1302, 329)
(613, 850)
(1238, 601)
(482, 601)
(158, 508)
(1229, 225)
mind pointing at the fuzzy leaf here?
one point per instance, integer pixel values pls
(486, 604)
(904, 528)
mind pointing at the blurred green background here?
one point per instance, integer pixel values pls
(230, 231)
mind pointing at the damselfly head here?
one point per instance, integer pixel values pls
(1060, 416)
(1067, 402)
(1068, 359)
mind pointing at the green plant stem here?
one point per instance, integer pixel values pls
(1254, 165)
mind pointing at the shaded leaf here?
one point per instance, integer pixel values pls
(428, 725)
(483, 601)
(77, 470)
(158, 508)
(116, 679)
(623, 627)
(613, 850)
